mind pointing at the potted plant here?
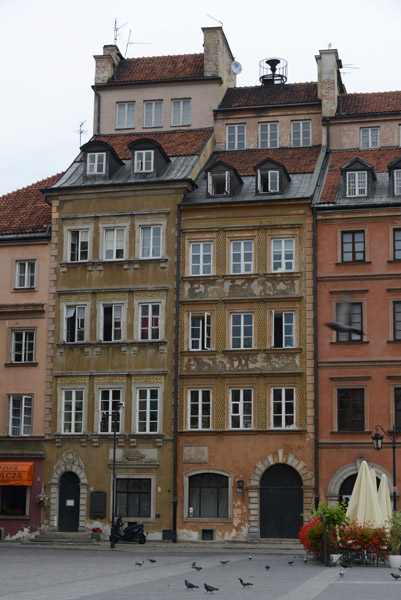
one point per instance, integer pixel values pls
(96, 534)
(395, 539)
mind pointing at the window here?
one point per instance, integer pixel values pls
(200, 328)
(283, 408)
(23, 346)
(218, 184)
(20, 421)
(208, 496)
(180, 112)
(73, 410)
(397, 244)
(151, 239)
(125, 115)
(114, 243)
(112, 322)
(153, 116)
(110, 410)
(268, 181)
(236, 137)
(397, 182)
(96, 163)
(25, 276)
(369, 137)
(283, 329)
(351, 409)
(13, 500)
(199, 409)
(74, 324)
(242, 256)
(241, 408)
(397, 407)
(352, 246)
(147, 410)
(283, 254)
(200, 258)
(78, 245)
(355, 321)
(301, 133)
(268, 135)
(149, 321)
(133, 497)
(356, 183)
(397, 320)
(144, 161)
(241, 330)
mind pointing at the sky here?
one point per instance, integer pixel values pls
(47, 65)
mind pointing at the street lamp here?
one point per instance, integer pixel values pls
(378, 438)
(114, 414)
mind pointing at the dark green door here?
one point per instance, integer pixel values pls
(281, 503)
(68, 510)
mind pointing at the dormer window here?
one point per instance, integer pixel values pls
(356, 183)
(144, 160)
(96, 163)
(271, 177)
(218, 184)
(268, 181)
(397, 182)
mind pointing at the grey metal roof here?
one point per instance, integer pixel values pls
(381, 197)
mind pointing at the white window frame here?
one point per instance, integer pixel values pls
(80, 330)
(199, 409)
(245, 262)
(117, 321)
(80, 245)
(204, 266)
(203, 339)
(118, 245)
(152, 250)
(144, 161)
(287, 328)
(211, 183)
(125, 115)
(273, 181)
(369, 137)
(241, 326)
(236, 136)
(278, 255)
(283, 403)
(96, 163)
(150, 317)
(237, 409)
(27, 343)
(153, 113)
(303, 137)
(110, 401)
(271, 136)
(27, 278)
(397, 182)
(25, 417)
(180, 112)
(75, 412)
(357, 184)
(146, 400)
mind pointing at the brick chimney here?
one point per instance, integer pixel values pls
(106, 63)
(330, 84)
(218, 57)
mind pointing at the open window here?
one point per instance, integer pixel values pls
(271, 177)
(222, 180)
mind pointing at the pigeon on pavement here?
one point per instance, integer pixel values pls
(267, 567)
(190, 586)
(197, 568)
(139, 563)
(305, 559)
(342, 572)
(245, 584)
(396, 576)
(250, 557)
(152, 560)
(290, 562)
(193, 564)
(210, 588)
(224, 562)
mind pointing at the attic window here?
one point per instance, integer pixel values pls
(357, 183)
(397, 182)
(268, 181)
(218, 184)
(96, 163)
(144, 160)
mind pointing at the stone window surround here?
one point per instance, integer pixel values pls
(189, 474)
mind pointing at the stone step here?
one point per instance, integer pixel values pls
(63, 537)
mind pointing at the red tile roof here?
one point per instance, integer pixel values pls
(174, 143)
(25, 210)
(156, 68)
(270, 95)
(365, 104)
(379, 158)
(295, 160)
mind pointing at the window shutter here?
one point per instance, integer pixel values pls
(209, 184)
(207, 334)
(228, 182)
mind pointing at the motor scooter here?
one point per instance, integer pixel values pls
(133, 533)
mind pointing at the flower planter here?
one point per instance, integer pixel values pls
(96, 536)
(395, 561)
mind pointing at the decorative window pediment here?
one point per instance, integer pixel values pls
(222, 180)
(271, 177)
(357, 179)
(148, 158)
(394, 170)
(100, 161)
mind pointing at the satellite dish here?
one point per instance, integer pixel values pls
(236, 67)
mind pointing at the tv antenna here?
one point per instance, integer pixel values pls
(81, 131)
(217, 21)
(116, 30)
(129, 43)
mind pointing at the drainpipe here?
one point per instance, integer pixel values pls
(176, 374)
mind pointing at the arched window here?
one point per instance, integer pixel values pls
(208, 496)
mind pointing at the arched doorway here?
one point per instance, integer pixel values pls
(69, 502)
(281, 502)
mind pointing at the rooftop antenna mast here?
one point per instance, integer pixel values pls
(116, 30)
(217, 21)
(81, 131)
(129, 43)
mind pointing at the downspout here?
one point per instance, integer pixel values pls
(176, 375)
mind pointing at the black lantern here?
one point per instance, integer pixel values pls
(393, 434)
(377, 440)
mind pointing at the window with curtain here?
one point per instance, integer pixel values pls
(208, 496)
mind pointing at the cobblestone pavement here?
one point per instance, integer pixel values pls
(42, 573)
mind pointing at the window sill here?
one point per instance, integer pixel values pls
(353, 262)
(350, 342)
(348, 431)
(15, 517)
(393, 341)
(207, 520)
(27, 289)
(292, 350)
(21, 364)
(395, 260)
(242, 350)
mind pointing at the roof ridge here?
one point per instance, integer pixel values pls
(165, 56)
(369, 93)
(152, 133)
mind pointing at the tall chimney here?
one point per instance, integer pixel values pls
(106, 63)
(330, 84)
